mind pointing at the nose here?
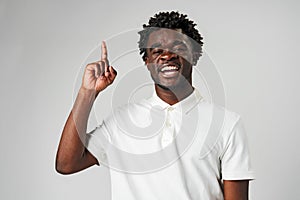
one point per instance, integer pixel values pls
(168, 56)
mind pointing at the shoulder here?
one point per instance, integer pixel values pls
(218, 113)
(130, 114)
(219, 125)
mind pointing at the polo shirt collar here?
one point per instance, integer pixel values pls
(186, 104)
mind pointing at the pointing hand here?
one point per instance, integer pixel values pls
(98, 75)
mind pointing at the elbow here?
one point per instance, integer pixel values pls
(63, 171)
(63, 168)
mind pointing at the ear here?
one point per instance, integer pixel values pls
(146, 61)
(196, 56)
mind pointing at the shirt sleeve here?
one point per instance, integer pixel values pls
(235, 159)
(97, 142)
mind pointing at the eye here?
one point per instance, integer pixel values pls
(157, 51)
(179, 49)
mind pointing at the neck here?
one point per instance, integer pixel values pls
(173, 95)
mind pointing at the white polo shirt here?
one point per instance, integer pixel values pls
(183, 151)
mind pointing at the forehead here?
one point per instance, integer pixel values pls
(166, 37)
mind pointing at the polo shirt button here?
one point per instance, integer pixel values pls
(166, 140)
(170, 108)
(168, 124)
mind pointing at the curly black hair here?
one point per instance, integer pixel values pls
(171, 20)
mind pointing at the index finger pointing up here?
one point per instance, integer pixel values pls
(103, 52)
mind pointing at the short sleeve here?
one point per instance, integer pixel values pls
(235, 159)
(97, 142)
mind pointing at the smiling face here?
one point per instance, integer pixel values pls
(169, 58)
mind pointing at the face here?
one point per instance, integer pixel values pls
(169, 58)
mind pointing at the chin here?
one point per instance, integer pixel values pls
(170, 86)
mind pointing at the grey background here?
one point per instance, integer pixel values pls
(43, 44)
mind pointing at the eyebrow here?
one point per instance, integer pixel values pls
(177, 42)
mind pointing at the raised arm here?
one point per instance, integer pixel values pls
(72, 156)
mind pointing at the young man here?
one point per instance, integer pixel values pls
(199, 151)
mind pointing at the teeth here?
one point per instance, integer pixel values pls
(167, 68)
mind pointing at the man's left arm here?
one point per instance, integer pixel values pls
(236, 189)
(235, 164)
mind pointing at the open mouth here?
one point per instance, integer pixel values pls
(169, 69)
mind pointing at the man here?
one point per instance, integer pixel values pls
(203, 151)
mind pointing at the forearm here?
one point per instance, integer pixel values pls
(71, 148)
(81, 110)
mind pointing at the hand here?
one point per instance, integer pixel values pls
(98, 75)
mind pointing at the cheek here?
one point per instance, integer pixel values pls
(187, 69)
(187, 61)
(151, 67)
